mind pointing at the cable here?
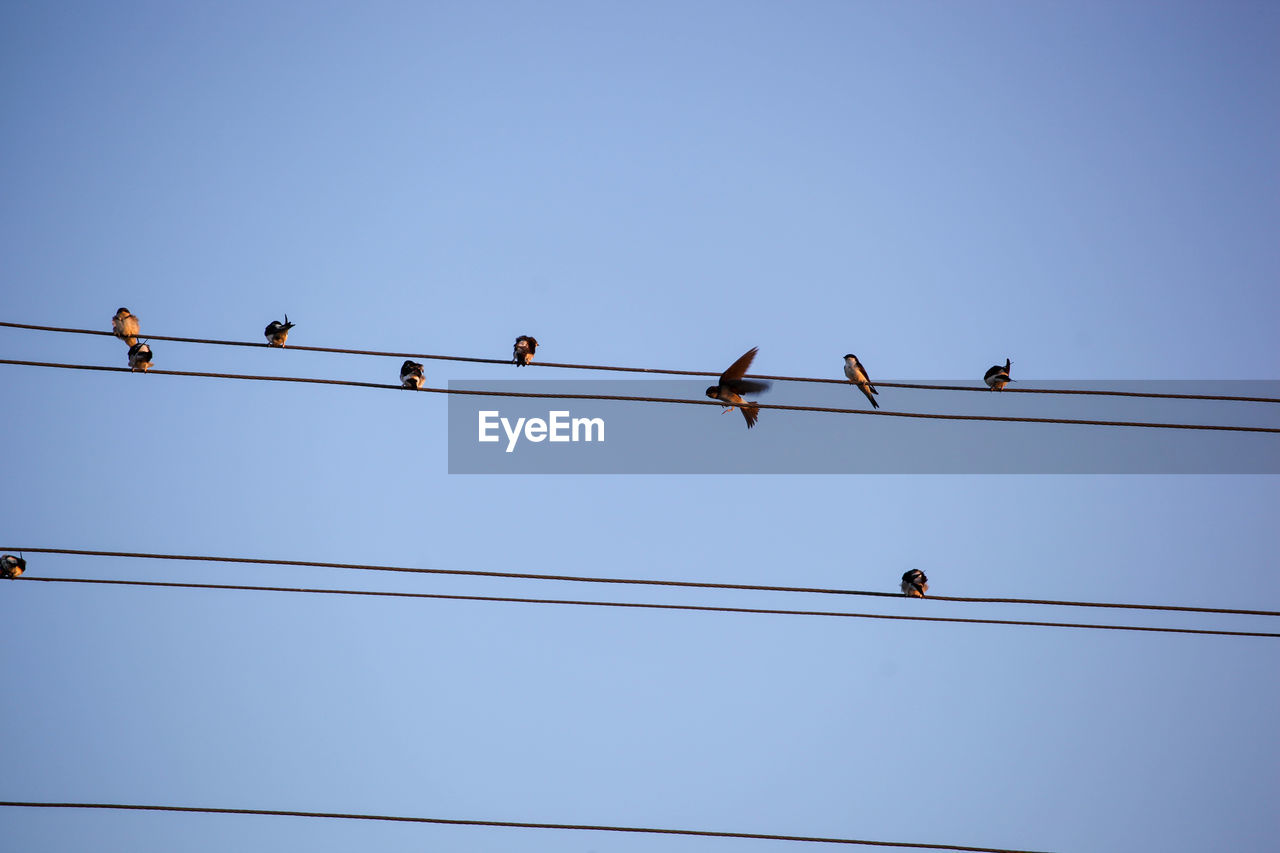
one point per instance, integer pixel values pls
(658, 370)
(632, 581)
(672, 400)
(508, 824)
(701, 608)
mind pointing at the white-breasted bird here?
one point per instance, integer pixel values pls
(12, 567)
(411, 375)
(125, 326)
(140, 357)
(914, 583)
(998, 377)
(277, 333)
(732, 386)
(858, 376)
(524, 350)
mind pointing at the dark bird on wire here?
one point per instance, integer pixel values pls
(915, 583)
(125, 326)
(524, 350)
(411, 375)
(140, 357)
(11, 566)
(732, 386)
(858, 376)
(998, 377)
(277, 333)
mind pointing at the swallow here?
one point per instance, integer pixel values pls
(998, 377)
(858, 376)
(277, 333)
(915, 583)
(140, 357)
(732, 386)
(411, 375)
(524, 350)
(12, 567)
(125, 326)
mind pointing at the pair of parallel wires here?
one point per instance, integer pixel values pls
(658, 371)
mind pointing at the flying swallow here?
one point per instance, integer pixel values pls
(125, 326)
(732, 386)
(524, 350)
(11, 566)
(915, 583)
(277, 333)
(998, 377)
(411, 375)
(858, 376)
(140, 357)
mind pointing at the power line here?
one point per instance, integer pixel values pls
(669, 400)
(631, 581)
(658, 370)
(508, 824)
(701, 608)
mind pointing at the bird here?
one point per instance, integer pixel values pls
(524, 350)
(411, 375)
(998, 377)
(277, 333)
(858, 376)
(732, 386)
(915, 583)
(11, 566)
(140, 357)
(125, 326)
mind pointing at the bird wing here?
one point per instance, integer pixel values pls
(746, 386)
(739, 367)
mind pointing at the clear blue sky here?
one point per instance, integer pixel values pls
(1090, 189)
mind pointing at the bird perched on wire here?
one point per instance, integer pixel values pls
(732, 386)
(277, 333)
(11, 566)
(125, 326)
(858, 376)
(140, 357)
(998, 377)
(915, 583)
(524, 350)
(411, 375)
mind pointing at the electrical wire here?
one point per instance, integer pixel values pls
(509, 824)
(700, 608)
(656, 370)
(670, 400)
(631, 581)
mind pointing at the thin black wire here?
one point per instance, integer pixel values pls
(509, 824)
(672, 400)
(701, 608)
(656, 370)
(633, 581)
